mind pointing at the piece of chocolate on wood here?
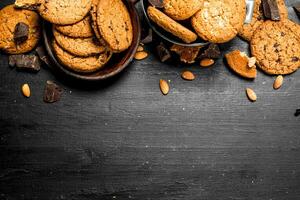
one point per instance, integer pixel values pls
(297, 9)
(271, 10)
(163, 52)
(52, 92)
(40, 50)
(21, 33)
(212, 52)
(186, 54)
(25, 62)
(148, 38)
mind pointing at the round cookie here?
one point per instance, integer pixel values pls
(81, 29)
(219, 21)
(9, 18)
(114, 24)
(258, 18)
(78, 46)
(276, 46)
(181, 10)
(64, 12)
(81, 64)
(170, 25)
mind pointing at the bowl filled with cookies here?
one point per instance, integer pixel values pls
(90, 39)
(193, 23)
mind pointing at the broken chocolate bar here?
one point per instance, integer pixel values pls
(297, 9)
(271, 10)
(163, 52)
(148, 38)
(186, 54)
(42, 55)
(21, 33)
(25, 62)
(156, 3)
(52, 92)
(212, 52)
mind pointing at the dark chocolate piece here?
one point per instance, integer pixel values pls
(156, 3)
(52, 92)
(295, 59)
(297, 9)
(25, 62)
(271, 10)
(21, 33)
(297, 113)
(186, 54)
(163, 52)
(43, 55)
(148, 38)
(212, 52)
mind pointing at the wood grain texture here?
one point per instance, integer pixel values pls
(123, 139)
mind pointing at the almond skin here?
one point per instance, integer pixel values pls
(26, 90)
(141, 55)
(187, 75)
(206, 62)
(251, 94)
(278, 82)
(164, 86)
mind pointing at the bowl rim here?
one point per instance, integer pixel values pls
(160, 34)
(61, 68)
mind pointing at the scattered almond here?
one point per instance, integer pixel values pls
(251, 62)
(206, 62)
(164, 86)
(251, 94)
(140, 48)
(141, 55)
(278, 82)
(187, 75)
(26, 90)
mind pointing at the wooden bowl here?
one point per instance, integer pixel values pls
(117, 63)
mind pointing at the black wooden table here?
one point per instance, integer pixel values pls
(123, 139)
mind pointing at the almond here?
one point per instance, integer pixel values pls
(141, 55)
(251, 62)
(140, 48)
(164, 86)
(206, 62)
(187, 75)
(26, 90)
(278, 82)
(251, 94)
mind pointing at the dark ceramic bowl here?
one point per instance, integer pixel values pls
(117, 63)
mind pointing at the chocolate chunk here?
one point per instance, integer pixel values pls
(25, 62)
(186, 54)
(163, 52)
(271, 10)
(156, 3)
(43, 55)
(295, 59)
(148, 38)
(297, 9)
(297, 113)
(212, 52)
(52, 92)
(21, 33)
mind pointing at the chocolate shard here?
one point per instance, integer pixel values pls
(25, 62)
(186, 54)
(52, 92)
(163, 52)
(156, 3)
(212, 52)
(43, 55)
(21, 33)
(148, 38)
(271, 10)
(297, 9)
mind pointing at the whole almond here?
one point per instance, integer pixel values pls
(251, 94)
(278, 82)
(140, 48)
(26, 90)
(187, 75)
(141, 55)
(164, 86)
(251, 62)
(206, 62)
